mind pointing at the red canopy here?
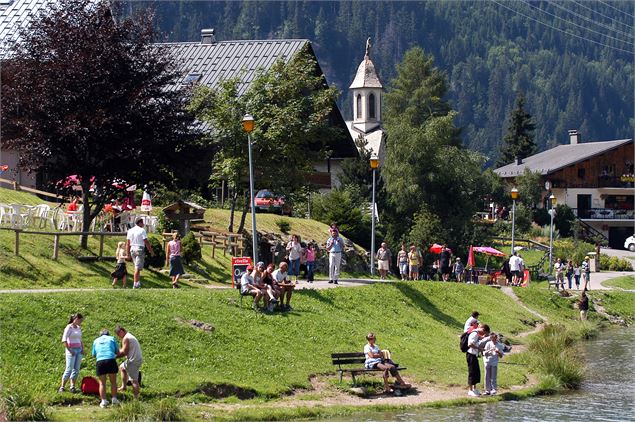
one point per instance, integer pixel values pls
(436, 248)
(470, 258)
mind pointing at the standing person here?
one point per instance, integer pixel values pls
(458, 270)
(507, 271)
(402, 259)
(576, 274)
(521, 270)
(583, 305)
(173, 253)
(137, 239)
(558, 267)
(569, 272)
(294, 248)
(491, 353)
(310, 262)
(120, 271)
(445, 258)
(413, 262)
(473, 368)
(105, 351)
(383, 260)
(74, 350)
(514, 267)
(335, 246)
(130, 368)
(586, 273)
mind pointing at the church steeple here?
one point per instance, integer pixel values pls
(367, 95)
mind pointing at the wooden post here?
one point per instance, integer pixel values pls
(101, 245)
(17, 242)
(56, 246)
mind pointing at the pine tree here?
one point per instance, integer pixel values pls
(519, 140)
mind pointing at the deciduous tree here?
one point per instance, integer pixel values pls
(85, 94)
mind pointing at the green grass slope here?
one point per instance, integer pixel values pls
(269, 354)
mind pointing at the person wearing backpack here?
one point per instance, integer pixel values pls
(471, 356)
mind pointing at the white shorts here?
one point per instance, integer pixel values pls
(138, 257)
(383, 265)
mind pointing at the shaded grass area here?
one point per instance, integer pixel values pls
(269, 354)
(626, 282)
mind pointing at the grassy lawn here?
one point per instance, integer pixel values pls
(549, 303)
(10, 196)
(619, 303)
(626, 282)
(268, 355)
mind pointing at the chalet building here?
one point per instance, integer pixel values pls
(595, 179)
(208, 62)
(367, 103)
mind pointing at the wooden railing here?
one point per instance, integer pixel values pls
(234, 242)
(56, 238)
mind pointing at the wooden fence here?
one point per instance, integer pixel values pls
(233, 242)
(56, 238)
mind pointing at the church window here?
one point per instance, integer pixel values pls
(359, 106)
(371, 106)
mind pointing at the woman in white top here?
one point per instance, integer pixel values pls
(295, 252)
(375, 359)
(74, 348)
(173, 253)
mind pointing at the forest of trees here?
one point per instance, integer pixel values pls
(572, 60)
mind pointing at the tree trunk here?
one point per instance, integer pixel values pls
(232, 208)
(86, 220)
(242, 217)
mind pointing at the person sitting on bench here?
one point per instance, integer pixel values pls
(375, 359)
(248, 287)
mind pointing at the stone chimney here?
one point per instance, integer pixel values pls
(574, 137)
(519, 160)
(207, 36)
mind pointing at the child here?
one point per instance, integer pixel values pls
(120, 270)
(492, 352)
(459, 268)
(310, 262)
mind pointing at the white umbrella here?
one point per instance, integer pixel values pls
(146, 202)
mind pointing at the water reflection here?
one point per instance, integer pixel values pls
(606, 395)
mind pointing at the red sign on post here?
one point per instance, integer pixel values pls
(239, 267)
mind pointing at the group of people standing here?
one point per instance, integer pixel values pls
(106, 350)
(574, 272)
(411, 264)
(482, 342)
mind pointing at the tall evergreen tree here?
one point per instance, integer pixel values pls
(519, 140)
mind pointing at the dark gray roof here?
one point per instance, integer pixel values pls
(554, 159)
(226, 59)
(18, 14)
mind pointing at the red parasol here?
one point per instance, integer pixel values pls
(470, 258)
(436, 248)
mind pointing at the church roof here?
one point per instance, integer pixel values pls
(366, 76)
(15, 15)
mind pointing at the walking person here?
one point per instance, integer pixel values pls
(583, 305)
(294, 248)
(173, 254)
(514, 267)
(335, 247)
(137, 239)
(105, 352)
(413, 262)
(130, 368)
(402, 259)
(310, 262)
(558, 267)
(576, 275)
(120, 272)
(569, 272)
(458, 270)
(491, 353)
(74, 351)
(586, 273)
(445, 258)
(383, 260)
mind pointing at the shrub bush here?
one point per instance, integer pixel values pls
(555, 354)
(567, 249)
(190, 249)
(18, 404)
(167, 409)
(283, 225)
(613, 263)
(164, 225)
(158, 260)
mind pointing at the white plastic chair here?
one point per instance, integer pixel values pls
(5, 214)
(39, 215)
(20, 215)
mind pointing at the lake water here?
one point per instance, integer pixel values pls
(607, 394)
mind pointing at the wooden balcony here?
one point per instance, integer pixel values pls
(604, 214)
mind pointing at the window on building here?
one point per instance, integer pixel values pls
(581, 173)
(191, 79)
(371, 106)
(359, 106)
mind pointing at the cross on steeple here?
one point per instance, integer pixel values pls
(368, 46)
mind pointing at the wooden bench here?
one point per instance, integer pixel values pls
(554, 282)
(352, 358)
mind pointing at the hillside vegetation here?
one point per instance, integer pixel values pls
(573, 61)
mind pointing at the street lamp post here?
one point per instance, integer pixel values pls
(514, 194)
(374, 164)
(552, 213)
(248, 126)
